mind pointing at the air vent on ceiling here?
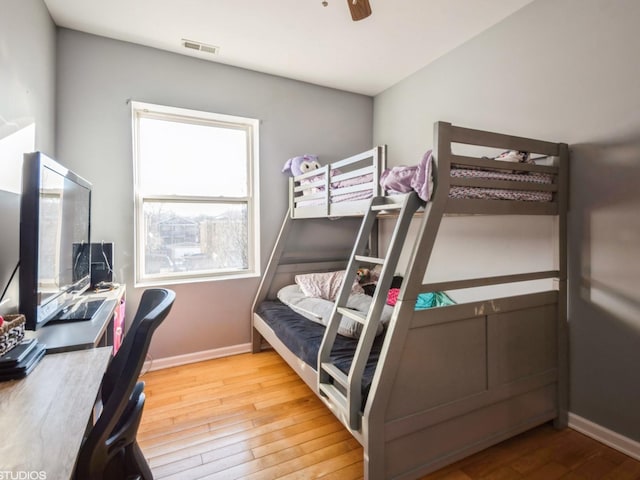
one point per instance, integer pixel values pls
(200, 47)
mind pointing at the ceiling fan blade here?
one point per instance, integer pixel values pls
(359, 9)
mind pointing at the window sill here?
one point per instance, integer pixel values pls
(184, 280)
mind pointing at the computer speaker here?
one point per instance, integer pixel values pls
(101, 263)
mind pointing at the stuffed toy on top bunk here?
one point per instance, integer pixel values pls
(301, 164)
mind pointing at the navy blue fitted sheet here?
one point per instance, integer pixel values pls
(303, 337)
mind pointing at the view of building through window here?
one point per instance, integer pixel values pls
(196, 205)
(183, 237)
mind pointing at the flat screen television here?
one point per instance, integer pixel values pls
(55, 223)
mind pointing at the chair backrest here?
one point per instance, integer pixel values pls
(154, 306)
(121, 378)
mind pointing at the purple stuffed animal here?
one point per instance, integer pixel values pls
(298, 165)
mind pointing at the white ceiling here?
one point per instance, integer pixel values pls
(299, 39)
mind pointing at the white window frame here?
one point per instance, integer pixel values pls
(251, 126)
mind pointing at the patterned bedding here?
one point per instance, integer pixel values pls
(498, 193)
(337, 193)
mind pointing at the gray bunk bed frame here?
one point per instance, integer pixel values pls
(450, 381)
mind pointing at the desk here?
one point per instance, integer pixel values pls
(43, 417)
(99, 331)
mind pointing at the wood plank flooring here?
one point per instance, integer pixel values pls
(251, 417)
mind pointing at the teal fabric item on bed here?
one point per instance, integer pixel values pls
(433, 299)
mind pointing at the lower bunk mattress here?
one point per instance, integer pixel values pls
(304, 337)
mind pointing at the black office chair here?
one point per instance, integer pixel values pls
(110, 451)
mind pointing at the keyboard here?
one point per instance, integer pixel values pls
(83, 310)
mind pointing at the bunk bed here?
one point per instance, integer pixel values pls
(442, 383)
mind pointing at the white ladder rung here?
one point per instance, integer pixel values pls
(337, 374)
(336, 397)
(362, 258)
(353, 314)
(386, 206)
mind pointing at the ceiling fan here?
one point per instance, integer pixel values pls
(359, 9)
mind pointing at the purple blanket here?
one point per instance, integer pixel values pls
(404, 179)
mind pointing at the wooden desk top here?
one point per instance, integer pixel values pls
(43, 417)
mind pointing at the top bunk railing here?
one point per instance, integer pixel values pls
(483, 185)
(342, 188)
(469, 136)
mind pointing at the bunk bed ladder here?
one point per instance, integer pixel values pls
(344, 391)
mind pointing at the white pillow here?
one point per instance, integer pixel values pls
(319, 310)
(325, 285)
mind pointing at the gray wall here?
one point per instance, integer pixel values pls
(27, 97)
(98, 76)
(559, 70)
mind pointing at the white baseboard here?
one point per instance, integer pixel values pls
(160, 363)
(604, 435)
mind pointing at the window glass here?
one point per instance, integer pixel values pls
(190, 159)
(196, 195)
(195, 237)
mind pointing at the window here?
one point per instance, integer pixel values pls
(196, 195)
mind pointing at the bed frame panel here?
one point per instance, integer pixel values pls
(454, 380)
(309, 375)
(464, 376)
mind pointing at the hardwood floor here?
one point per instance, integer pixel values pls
(251, 417)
